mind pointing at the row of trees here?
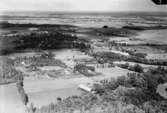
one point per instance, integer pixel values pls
(30, 25)
(24, 96)
(111, 31)
(105, 57)
(135, 68)
(141, 28)
(132, 53)
(8, 73)
(44, 59)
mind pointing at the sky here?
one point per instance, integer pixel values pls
(80, 5)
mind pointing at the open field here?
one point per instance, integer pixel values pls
(69, 57)
(46, 97)
(108, 73)
(70, 54)
(10, 99)
(42, 92)
(162, 56)
(155, 36)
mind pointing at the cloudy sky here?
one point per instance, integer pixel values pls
(80, 5)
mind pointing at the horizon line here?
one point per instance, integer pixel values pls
(83, 11)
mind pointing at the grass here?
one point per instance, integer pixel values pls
(10, 99)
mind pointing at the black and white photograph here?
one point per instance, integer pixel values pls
(83, 56)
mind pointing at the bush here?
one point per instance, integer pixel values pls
(83, 69)
(138, 68)
(31, 108)
(99, 89)
(126, 65)
(105, 26)
(24, 96)
(155, 107)
(111, 84)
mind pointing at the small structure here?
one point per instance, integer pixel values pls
(85, 88)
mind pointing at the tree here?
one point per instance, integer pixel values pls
(138, 68)
(99, 89)
(24, 97)
(105, 26)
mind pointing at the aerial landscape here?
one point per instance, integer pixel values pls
(83, 62)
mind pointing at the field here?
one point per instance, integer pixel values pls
(10, 100)
(70, 57)
(155, 36)
(107, 73)
(42, 92)
(162, 56)
(132, 63)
